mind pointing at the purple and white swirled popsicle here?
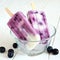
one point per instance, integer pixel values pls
(21, 26)
(38, 21)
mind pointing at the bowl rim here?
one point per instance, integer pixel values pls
(35, 41)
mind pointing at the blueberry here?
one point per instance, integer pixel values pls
(30, 20)
(55, 51)
(41, 33)
(2, 49)
(43, 14)
(10, 53)
(12, 27)
(40, 23)
(15, 45)
(33, 19)
(49, 49)
(15, 18)
(36, 12)
(16, 14)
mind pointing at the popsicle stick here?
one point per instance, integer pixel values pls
(9, 12)
(33, 6)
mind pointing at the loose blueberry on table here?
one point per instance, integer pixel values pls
(2, 49)
(15, 45)
(55, 51)
(49, 49)
(10, 53)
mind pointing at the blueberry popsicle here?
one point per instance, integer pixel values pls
(19, 22)
(38, 21)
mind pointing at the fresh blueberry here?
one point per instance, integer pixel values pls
(55, 51)
(15, 45)
(10, 53)
(49, 49)
(2, 49)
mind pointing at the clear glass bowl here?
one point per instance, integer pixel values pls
(41, 47)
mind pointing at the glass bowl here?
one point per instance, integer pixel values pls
(39, 48)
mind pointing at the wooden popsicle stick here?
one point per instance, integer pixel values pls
(33, 5)
(9, 12)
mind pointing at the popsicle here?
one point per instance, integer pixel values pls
(38, 21)
(19, 22)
